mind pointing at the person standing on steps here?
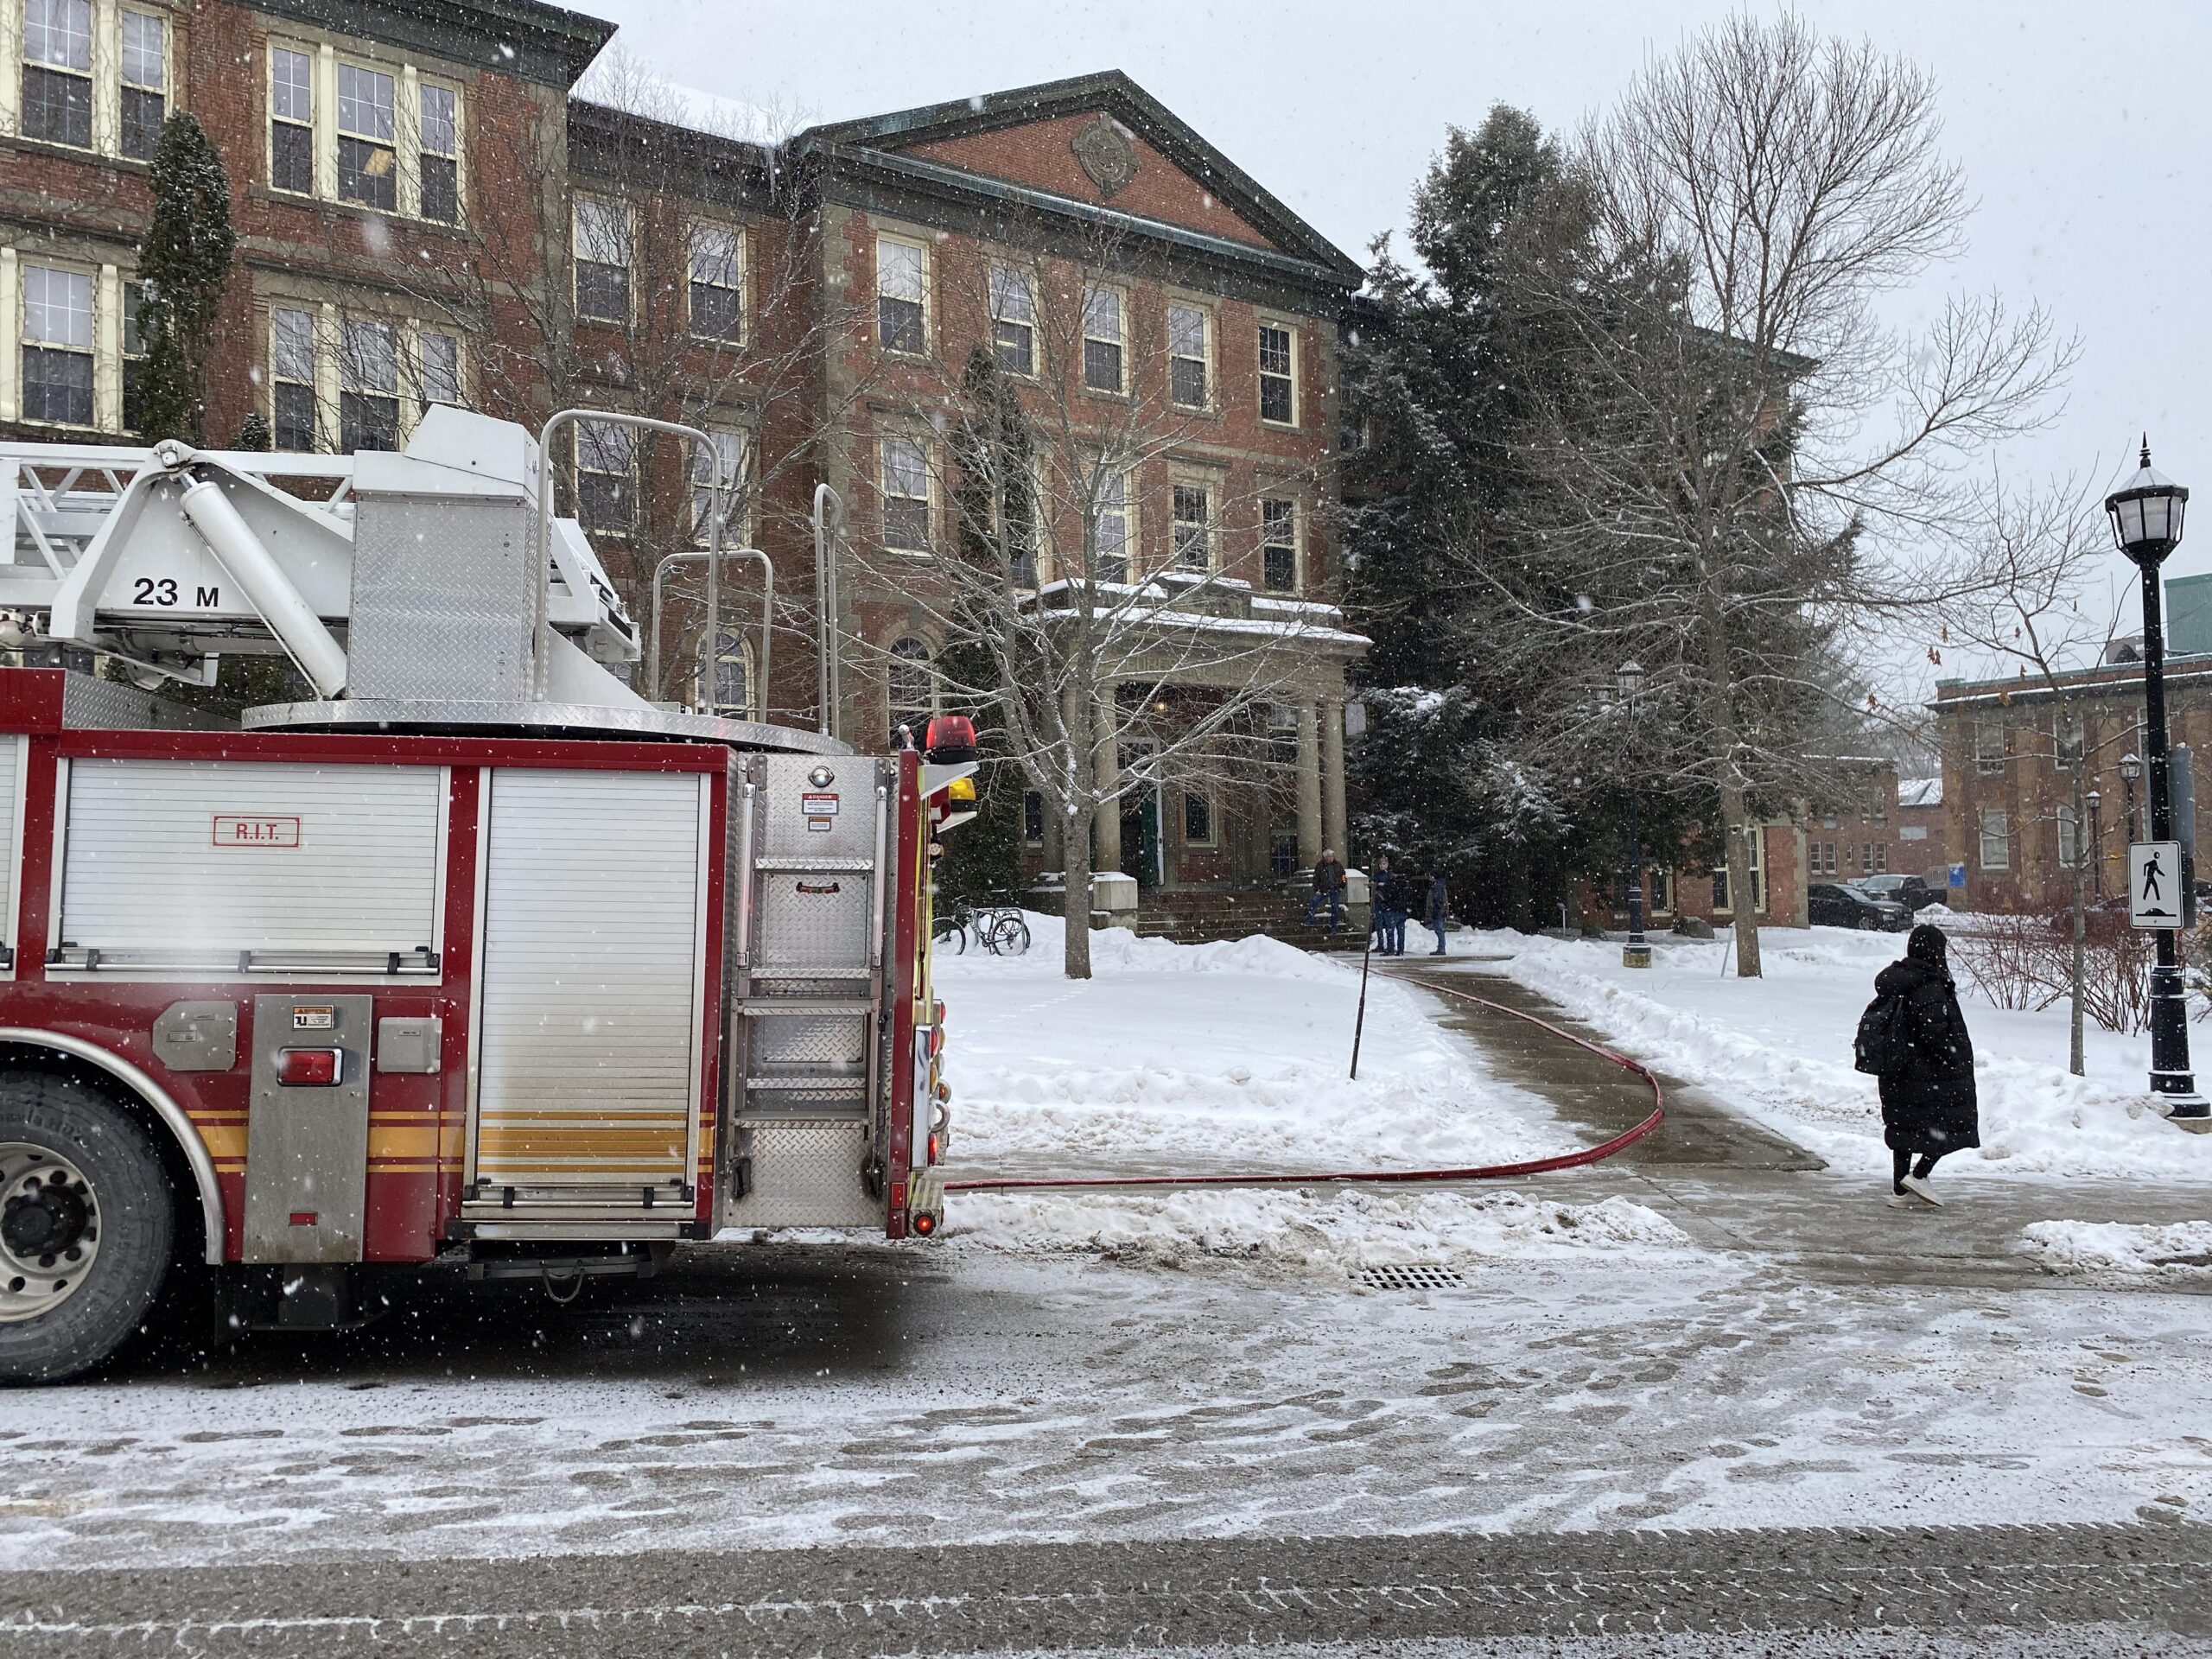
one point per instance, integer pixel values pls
(1440, 903)
(1329, 889)
(1928, 1108)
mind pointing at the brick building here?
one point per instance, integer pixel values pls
(2012, 750)
(427, 214)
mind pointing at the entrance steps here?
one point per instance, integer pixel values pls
(1207, 915)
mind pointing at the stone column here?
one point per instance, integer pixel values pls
(1334, 831)
(1309, 788)
(1108, 771)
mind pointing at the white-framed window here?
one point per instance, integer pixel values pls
(390, 139)
(1116, 532)
(145, 82)
(602, 259)
(292, 379)
(438, 151)
(732, 449)
(1996, 840)
(910, 687)
(1989, 745)
(1014, 320)
(1105, 336)
(717, 286)
(57, 351)
(368, 384)
(57, 104)
(1279, 374)
(606, 477)
(2069, 838)
(1279, 534)
(906, 463)
(437, 369)
(1881, 858)
(733, 689)
(1190, 355)
(902, 290)
(1198, 818)
(291, 121)
(368, 128)
(134, 356)
(1191, 525)
(2067, 741)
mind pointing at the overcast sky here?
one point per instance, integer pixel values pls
(2084, 130)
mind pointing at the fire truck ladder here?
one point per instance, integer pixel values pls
(808, 1113)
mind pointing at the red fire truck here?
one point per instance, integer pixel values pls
(475, 958)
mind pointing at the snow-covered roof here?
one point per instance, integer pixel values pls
(1920, 792)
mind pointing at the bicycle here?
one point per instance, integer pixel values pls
(1003, 932)
(1000, 929)
(950, 926)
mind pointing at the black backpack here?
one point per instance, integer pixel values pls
(1882, 1043)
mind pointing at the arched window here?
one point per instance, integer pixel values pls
(910, 687)
(733, 681)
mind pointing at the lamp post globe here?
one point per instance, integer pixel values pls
(2146, 526)
(1636, 953)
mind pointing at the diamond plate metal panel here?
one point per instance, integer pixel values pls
(803, 819)
(807, 1041)
(813, 924)
(444, 601)
(805, 1174)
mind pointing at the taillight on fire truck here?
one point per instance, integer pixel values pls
(310, 1068)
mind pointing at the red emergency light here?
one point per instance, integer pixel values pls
(951, 740)
(310, 1068)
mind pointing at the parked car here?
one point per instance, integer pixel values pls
(1910, 890)
(1834, 904)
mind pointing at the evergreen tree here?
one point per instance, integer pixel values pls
(1446, 367)
(994, 513)
(254, 434)
(184, 265)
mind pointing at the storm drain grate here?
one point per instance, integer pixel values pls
(1415, 1276)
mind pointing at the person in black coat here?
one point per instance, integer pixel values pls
(1928, 1103)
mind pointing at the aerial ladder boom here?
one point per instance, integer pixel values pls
(362, 568)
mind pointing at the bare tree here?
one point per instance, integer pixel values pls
(1083, 598)
(645, 277)
(1757, 466)
(2038, 557)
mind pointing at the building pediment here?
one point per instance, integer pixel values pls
(1099, 141)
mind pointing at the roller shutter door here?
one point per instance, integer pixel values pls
(169, 860)
(589, 1013)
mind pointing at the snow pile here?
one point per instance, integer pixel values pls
(1341, 1230)
(1779, 1047)
(1208, 1059)
(2113, 1250)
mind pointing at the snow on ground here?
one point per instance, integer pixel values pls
(1341, 1232)
(2178, 1254)
(1182, 1059)
(1779, 1048)
(1212, 1056)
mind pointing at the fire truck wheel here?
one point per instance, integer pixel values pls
(86, 1225)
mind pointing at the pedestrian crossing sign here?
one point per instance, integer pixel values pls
(2154, 876)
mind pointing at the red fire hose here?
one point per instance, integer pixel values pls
(1385, 1177)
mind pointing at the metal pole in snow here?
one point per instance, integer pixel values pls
(1366, 956)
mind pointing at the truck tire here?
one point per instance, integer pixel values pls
(87, 1225)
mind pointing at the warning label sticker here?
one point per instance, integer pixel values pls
(819, 806)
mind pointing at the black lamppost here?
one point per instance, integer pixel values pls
(2131, 769)
(2146, 520)
(2097, 845)
(1636, 953)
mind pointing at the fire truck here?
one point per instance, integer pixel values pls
(474, 960)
